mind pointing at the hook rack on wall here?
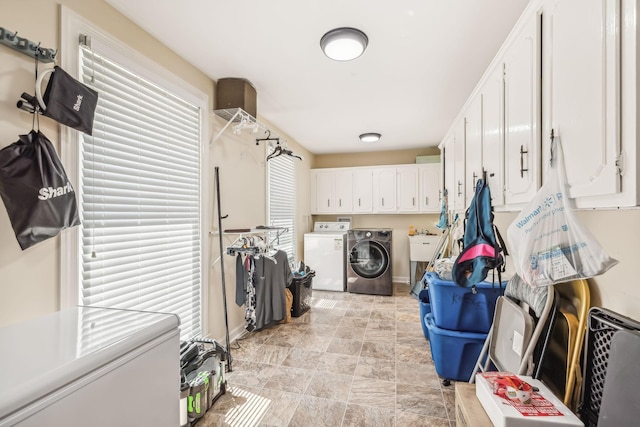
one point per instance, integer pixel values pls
(26, 46)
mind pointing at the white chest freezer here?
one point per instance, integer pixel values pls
(91, 366)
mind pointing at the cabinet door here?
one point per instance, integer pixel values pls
(325, 191)
(384, 190)
(362, 190)
(429, 187)
(473, 147)
(447, 154)
(585, 92)
(459, 168)
(492, 132)
(343, 191)
(522, 114)
(407, 188)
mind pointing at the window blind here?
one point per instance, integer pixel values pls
(140, 197)
(281, 200)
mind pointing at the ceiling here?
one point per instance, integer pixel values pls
(423, 60)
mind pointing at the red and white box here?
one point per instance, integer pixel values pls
(545, 408)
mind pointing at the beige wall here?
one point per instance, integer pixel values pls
(395, 157)
(29, 280)
(399, 223)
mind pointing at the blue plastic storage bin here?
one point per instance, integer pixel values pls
(459, 309)
(454, 353)
(425, 308)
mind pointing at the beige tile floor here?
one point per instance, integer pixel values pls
(352, 360)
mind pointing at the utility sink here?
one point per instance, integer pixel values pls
(422, 246)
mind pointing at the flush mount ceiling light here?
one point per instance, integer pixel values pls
(344, 44)
(370, 137)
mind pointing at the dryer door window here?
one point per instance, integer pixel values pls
(369, 259)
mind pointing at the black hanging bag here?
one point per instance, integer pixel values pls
(35, 190)
(482, 244)
(68, 101)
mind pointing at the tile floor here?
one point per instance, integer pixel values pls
(352, 360)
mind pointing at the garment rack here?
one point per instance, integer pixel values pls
(234, 249)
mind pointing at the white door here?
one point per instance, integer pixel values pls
(407, 188)
(362, 190)
(585, 92)
(447, 154)
(473, 147)
(459, 168)
(343, 191)
(325, 191)
(384, 190)
(522, 114)
(492, 132)
(429, 187)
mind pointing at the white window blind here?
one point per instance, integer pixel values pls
(140, 197)
(281, 200)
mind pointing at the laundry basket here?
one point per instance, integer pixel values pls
(301, 290)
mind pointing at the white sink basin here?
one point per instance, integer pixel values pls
(422, 247)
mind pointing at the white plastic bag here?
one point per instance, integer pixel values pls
(547, 242)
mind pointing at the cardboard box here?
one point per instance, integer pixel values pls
(546, 409)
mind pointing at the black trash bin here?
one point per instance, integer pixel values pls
(301, 290)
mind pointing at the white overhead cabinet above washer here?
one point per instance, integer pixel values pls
(411, 188)
(570, 66)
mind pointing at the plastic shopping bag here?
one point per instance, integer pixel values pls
(547, 242)
(35, 190)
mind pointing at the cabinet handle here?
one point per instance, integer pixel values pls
(413, 201)
(475, 181)
(426, 201)
(383, 201)
(328, 202)
(358, 202)
(459, 189)
(522, 168)
(339, 203)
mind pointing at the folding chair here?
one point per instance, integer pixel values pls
(519, 321)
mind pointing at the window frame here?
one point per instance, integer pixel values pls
(72, 25)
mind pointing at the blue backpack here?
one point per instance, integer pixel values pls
(482, 243)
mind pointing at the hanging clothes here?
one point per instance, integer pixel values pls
(250, 294)
(273, 276)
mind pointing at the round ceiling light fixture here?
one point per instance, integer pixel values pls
(344, 43)
(370, 137)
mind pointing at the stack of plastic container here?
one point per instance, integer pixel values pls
(458, 324)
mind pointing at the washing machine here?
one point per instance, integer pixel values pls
(369, 266)
(325, 252)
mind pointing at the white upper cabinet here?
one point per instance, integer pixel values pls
(473, 147)
(429, 186)
(331, 191)
(492, 134)
(384, 190)
(522, 113)
(585, 82)
(407, 188)
(362, 190)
